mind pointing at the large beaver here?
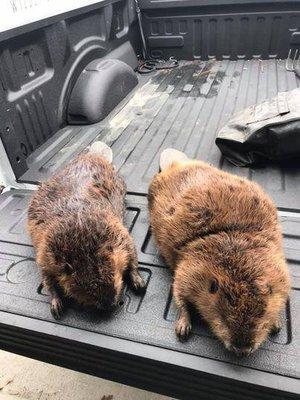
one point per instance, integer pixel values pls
(220, 235)
(75, 220)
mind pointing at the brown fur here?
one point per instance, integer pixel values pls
(220, 235)
(75, 220)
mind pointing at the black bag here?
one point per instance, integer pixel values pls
(266, 132)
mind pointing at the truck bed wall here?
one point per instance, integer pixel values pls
(222, 29)
(40, 63)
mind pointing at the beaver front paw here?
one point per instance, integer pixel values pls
(276, 328)
(56, 307)
(138, 283)
(183, 327)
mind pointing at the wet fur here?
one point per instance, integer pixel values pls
(83, 250)
(217, 230)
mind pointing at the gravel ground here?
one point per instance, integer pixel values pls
(35, 380)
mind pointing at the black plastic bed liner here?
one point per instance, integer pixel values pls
(183, 108)
(137, 345)
(147, 320)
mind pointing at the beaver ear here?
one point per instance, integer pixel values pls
(266, 290)
(265, 287)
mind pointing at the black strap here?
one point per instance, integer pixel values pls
(148, 66)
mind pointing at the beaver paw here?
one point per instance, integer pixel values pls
(276, 328)
(138, 283)
(56, 308)
(183, 328)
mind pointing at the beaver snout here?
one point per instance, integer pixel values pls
(241, 347)
(109, 305)
(106, 306)
(241, 351)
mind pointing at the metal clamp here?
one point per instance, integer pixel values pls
(293, 60)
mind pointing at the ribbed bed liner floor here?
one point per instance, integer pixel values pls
(150, 318)
(182, 108)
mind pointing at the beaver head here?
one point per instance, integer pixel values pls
(237, 286)
(88, 255)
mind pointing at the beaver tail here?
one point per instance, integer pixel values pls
(101, 149)
(170, 156)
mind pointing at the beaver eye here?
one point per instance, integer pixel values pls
(68, 269)
(214, 286)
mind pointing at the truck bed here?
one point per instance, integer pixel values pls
(182, 108)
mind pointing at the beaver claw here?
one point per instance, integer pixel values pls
(56, 308)
(183, 328)
(138, 283)
(276, 328)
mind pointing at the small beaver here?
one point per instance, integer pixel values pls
(220, 235)
(75, 220)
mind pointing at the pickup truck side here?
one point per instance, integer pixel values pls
(232, 54)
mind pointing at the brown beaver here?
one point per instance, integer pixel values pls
(220, 235)
(75, 220)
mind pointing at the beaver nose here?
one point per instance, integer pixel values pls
(242, 351)
(106, 307)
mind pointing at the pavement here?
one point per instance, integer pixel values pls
(24, 378)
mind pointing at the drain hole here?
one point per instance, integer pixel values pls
(121, 302)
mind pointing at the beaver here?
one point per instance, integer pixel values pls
(75, 220)
(220, 235)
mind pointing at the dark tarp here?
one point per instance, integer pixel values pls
(267, 132)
